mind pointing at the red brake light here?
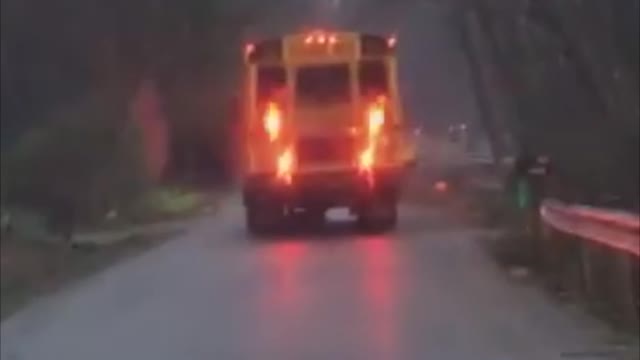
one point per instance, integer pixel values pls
(285, 166)
(392, 41)
(367, 158)
(441, 186)
(366, 161)
(273, 121)
(249, 49)
(321, 38)
(376, 117)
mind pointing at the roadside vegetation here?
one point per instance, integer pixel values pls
(561, 77)
(115, 117)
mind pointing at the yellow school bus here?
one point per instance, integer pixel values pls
(323, 128)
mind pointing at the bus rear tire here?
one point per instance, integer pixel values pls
(378, 217)
(263, 219)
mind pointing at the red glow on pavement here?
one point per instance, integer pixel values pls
(378, 262)
(381, 293)
(286, 260)
(441, 186)
(282, 299)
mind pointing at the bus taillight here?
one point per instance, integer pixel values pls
(367, 159)
(366, 163)
(392, 41)
(273, 121)
(375, 119)
(321, 38)
(249, 49)
(285, 166)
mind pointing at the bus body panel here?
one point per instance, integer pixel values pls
(323, 96)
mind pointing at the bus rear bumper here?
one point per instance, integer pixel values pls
(347, 188)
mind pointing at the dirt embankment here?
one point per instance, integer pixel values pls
(35, 263)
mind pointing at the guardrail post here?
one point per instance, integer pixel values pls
(551, 245)
(547, 245)
(598, 272)
(595, 253)
(611, 284)
(635, 291)
(589, 287)
(561, 262)
(625, 288)
(574, 274)
(536, 239)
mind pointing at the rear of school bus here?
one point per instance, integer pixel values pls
(324, 129)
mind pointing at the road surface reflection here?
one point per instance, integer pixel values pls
(300, 276)
(380, 288)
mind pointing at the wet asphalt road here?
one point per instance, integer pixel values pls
(427, 291)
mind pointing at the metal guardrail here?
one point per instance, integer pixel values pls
(613, 228)
(593, 252)
(588, 253)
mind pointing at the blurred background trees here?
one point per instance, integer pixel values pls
(95, 87)
(562, 78)
(101, 98)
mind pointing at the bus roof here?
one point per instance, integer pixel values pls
(319, 45)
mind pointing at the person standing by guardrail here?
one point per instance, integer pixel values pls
(518, 186)
(527, 187)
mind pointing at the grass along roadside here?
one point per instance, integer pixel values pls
(35, 266)
(158, 206)
(31, 269)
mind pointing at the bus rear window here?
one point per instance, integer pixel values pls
(271, 80)
(323, 84)
(373, 77)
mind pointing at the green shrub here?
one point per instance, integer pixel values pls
(85, 161)
(165, 203)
